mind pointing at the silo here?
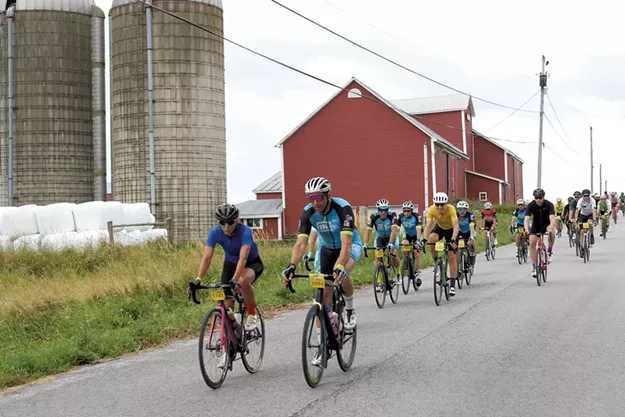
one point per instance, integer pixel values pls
(52, 112)
(168, 86)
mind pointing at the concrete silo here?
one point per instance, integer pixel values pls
(46, 118)
(168, 107)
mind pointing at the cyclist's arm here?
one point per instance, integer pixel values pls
(369, 229)
(312, 240)
(346, 249)
(305, 229)
(526, 222)
(456, 231)
(298, 249)
(419, 228)
(205, 263)
(394, 230)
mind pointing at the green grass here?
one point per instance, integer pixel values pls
(60, 310)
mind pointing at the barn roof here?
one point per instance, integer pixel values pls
(444, 143)
(272, 185)
(491, 140)
(438, 104)
(260, 208)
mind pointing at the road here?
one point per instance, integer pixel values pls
(501, 347)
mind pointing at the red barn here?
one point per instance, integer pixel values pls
(369, 149)
(265, 214)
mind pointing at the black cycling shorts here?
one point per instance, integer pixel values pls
(447, 234)
(538, 228)
(488, 225)
(382, 242)
(410, 239)
(227, 273)
(585, 219)
(329, 257)
(464, 236)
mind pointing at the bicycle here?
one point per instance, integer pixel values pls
(623, 209)
(384, 284)
(571, 235)
(325, 342)
(408, 268)
(227, 336)
(541, 260)
(604, 226)
(585, 249)
(559, 229)
(522, 250)
(489, 247)
(440, 271)
(465, 268)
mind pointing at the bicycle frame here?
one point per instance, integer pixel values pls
(226, 325)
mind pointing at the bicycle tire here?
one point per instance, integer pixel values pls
(487, 248)
(414, 280)
(446, 287)
(393, 285)
(468, 267)
(460, 273)
(251, 368)
(406, 267)
(525, 252)
(438, 283)
(587, 252)
(213, 384)
(604, 229)
(314, 313)
(539, 269)
(380, 296)
(345, 363)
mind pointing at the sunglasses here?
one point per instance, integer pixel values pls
(586, 195)
(316, 197)
(383, 210)
(407, 211)
(440, 204)
(226, 223)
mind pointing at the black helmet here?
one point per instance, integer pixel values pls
(539, 192)
(586, 192)
(227, 213)
(571, 199)
(577, 194)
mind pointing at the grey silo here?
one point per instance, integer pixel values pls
(52, 102)
(188, 111)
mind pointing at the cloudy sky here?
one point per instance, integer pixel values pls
(484, 48)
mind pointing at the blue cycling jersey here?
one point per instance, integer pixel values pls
(520, 216)
(338, 219)
(464, 222)
(383, 227)
(242, 236)
(410, 223)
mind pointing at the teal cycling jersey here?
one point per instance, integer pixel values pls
(338, 218)
(383, 227)
(520, 216)
(464, 222)
(410, 223)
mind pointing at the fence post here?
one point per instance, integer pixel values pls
(170, 236)
(110, 228)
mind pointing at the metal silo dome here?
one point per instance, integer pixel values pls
(171, 112)
(50, 69)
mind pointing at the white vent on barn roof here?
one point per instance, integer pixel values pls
(354, 93)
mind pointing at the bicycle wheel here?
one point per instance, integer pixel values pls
(314, 337)
(525, 250)
(468, 267)
(545, 265)
(379, 286)
(444, 266)
(406, 271)
(416, 275)
(587, 251)
(493, 249)
(487, 248)
(604, 229)
(570, 240)
(253, 349)
(347, 349)
(460, 274)
(539, 262)
(438, 282)
(212, 342)
(393, 285)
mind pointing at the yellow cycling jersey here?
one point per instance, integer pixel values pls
(445, 220)
(559, 207)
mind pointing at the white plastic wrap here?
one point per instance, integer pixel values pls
(125, 238)
(4, 229)
(155, 234)
(59, 242)
(55, 219)
(94, 215)
(137, 213)
(30, 242)
(5, 243)
(20, 222)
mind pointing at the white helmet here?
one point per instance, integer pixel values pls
(558, 200)
(463, 205)
(440, 198)
(382, 203)
(407, 205)
(488, 206)
(318, 185)
(520, 201)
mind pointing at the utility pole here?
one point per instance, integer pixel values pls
(600, 180)
(592, 168)
(543, 85)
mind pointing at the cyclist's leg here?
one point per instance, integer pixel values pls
(253, 270)
(328, 260)
(434, 237)
(395, 258)
(317, 265)
(453, 259)
(348, 285)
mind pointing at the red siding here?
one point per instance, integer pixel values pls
(469, 129)
(269, 196)
(356, 134)
(448, 125)
(489, 158)
(270, 228)
(476, 185)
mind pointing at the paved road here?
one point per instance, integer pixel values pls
(501, 347)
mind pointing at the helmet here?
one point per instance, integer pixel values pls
(539, 192)
(382, 203)
(462, 205)
(570, 199)
(520, 201)
(227, 213)
(585, 191)
(407, 205)
(318, 185)
(440, 198)
(613, 193)
(603, 197)
(558, 200)
(577, 194)
(488, 206)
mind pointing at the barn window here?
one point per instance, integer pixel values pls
(354, 93)
(468, 117)
(483, 196)
(254, 223)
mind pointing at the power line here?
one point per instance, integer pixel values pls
(514, 111)
(394, 62)
(558, 155)
(372, 99)
(557, 118)
(592, 115)
(560, 136)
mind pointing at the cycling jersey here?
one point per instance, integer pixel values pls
(339, 219)
(489, 216)
(464, 222)
(559, 207)
(383, 227)
(445, 220)
(603, 207)
(540, 215)
(242, 236)
(573, 207)
(520, 216)
(586, 206)
(410, 223)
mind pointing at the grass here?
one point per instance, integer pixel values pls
(60, 310)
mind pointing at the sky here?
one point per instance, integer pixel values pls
(490, 49)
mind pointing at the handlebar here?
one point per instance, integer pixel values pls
(289, 285)
(194, 287)
(377, 248)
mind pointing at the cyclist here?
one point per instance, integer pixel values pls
(587, 209)
(565, 215)
(466, 225)
(543, 214)
(559, 208)
(339, 242)
(489, 220)
(614, 201)
(442, 222)
(622, 198)
(242, 262)
(385, 224)
(411, 222)
(518, 218)
(603, 209)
